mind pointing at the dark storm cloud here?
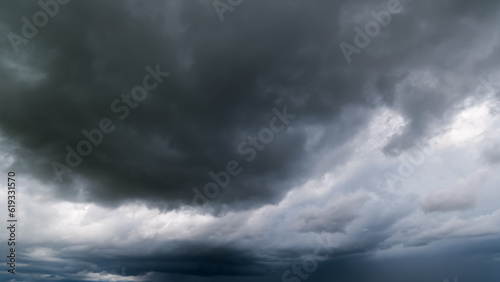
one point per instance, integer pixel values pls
(437, 265)
(225, 80)
(182, 258)
(466, 259)
(236, 73)
(424, 38)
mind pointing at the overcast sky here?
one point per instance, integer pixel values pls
(252, 140)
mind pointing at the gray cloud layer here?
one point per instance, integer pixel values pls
(225, 80)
